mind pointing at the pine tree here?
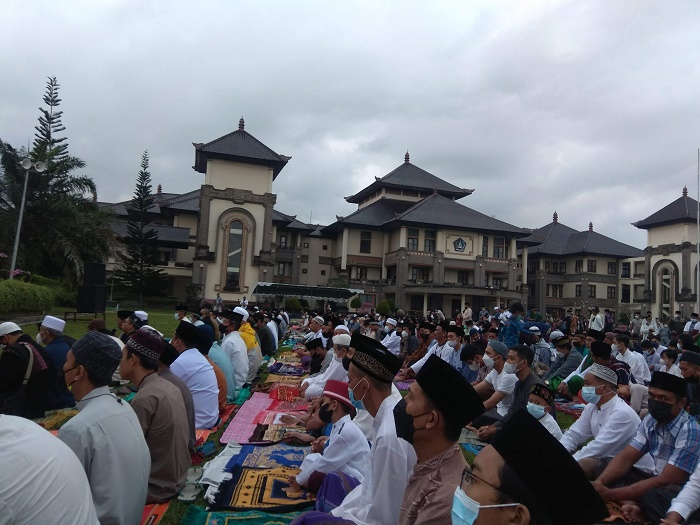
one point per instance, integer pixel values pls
(138, 272)
(63, 226)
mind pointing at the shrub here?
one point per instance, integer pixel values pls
(384, 308)
(355, 303)
(292, 304)
(18, 296)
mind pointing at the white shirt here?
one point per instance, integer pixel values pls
(638, 365)
(392, 342)
(107, 438)
(596, 322)
(579, 372)
(365, 421)
(688, 499)
(551, 424)
(377, 499)
(612, 427)
(690, 325)
(235, 349)
(674, 370)
(316, 384)
(347, 451)
(272, 326)
(503, 383)
(442, 351)
(41, 480)
(194, 369)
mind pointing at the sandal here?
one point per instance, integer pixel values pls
(189, 492)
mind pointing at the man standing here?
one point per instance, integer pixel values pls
(596, 322)
(510, 333)
(26, 372)
(671, 437)
(677, 323)
(431, 416)
(194, 369)
(51, 336)
(161, 412)
(106, 434)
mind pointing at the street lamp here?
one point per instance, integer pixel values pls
(39, 167)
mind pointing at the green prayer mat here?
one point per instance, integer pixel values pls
(199, 516)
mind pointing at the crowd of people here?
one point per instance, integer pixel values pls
(376, 457)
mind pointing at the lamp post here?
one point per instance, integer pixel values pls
(39, 167)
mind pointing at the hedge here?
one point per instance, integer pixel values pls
(18, 296)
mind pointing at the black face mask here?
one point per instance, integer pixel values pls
(660, 411)
(404, 421)
(346, 363)
(578, 344)
(693, 379)
(424, 337)
(325, 414)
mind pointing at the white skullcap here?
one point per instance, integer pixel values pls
(535, 330)
(555, 334)
(341, 339)
(242, 311)
(141, 315)
(390, 321)
(8, 328)
(602, 372)
(54, 323)
(342, 328)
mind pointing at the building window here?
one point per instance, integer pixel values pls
(462, 277)
(417, 302)
(323, 272)
(419, 274)
(611, 292)
(233, 261)
(625, 293)
(548, 292)
(612, 268)
(626, 270)
(360, 272)
(429, 241)
(283, 241)
(578, 290)
(591, 290)
(365, 242)
(497, 282)
(325, 246)
(485, 247)
(592, 266)
(413, 239)
(579, 266)
(498, 247)
(281, 267)
(546, 266)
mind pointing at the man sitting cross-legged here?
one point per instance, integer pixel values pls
(671, 437)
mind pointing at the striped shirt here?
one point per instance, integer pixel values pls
(677, 443)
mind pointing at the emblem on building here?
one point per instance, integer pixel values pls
(460, 245)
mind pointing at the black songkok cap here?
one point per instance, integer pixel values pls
(181, 307)
(596, 334)
(541, 390)
(232, 316)
(372, 357)
(188, 333)
(600, 349)
(314, 343)
(449, 391)
(690, 357)
(124, 314)
(669, 383)
(169, 354)
(426, 325)
(445, 325)
(457, 330)
(572, 503)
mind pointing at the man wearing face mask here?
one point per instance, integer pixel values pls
(635, 360)
(424, 331)
(455, 336)
(313, 387)
(508, 484)
(392, 340)
(498, 383)
(519, 363)
(51, 337)
(607, 423)
(472, 361)
(689, 366)
(431, 416)
(440, 348)
(347, 450)
(671, 437)
(409, 342)
(376, 501)
(690, 326)
(568, 359)
(635, 326)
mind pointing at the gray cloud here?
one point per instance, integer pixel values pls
(587, 108)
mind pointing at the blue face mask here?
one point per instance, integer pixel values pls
(535, 410)
(465, 510)
(589, 395)
(357, 403)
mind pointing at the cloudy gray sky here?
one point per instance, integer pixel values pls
(590, 108)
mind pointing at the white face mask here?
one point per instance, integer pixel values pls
(176, 316)
(474, 367)
(39, 340)
(488, 361)
(452, 344)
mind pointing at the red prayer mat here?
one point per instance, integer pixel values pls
(152, 514)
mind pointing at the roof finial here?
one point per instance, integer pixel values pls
(685, 191)
(160, 189)
(241, 124)
(555, 217)
(590, 226)
(407, 157)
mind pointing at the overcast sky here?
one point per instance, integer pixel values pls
(589, 108)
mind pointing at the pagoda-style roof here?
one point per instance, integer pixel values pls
(682, 210)
(412, 178)
(436, 211)
(238, 146)
(557, 239)
(290, 222)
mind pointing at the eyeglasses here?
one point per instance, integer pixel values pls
(468, 477)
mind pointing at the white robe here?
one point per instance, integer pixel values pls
(235, 349)
(317, 383)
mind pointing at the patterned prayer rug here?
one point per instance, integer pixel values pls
(199, 516)
(242, 426)
(262, 489)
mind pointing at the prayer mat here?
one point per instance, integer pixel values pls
(470, 438)
(286, 369)
(404, 385)
(261, 489)
(277, 432)
(285, 393)
(153, 513)
(279, 455)
(335, 486)
(55, 419)
(199, 516)
(283, 380)
(571, 408)
(242, 426)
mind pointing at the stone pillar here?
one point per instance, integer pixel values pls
(202, 242)
(425, 303)
(344, 250)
